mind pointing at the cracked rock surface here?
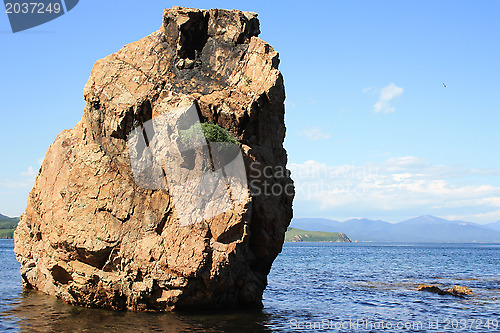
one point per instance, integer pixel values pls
(91, 236)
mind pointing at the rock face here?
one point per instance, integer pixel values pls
(93, 236)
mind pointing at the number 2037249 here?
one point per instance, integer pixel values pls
(32, 8)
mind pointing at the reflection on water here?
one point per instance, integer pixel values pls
(37, 312)
(308, 283)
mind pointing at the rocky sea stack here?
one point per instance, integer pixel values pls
(93, 234)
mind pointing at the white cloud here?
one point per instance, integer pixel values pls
(24, 181)
(15, 188)
(31, 172)
(386, 95)
(399, 184)
(487, 217)
(315, 133)
(16, 184)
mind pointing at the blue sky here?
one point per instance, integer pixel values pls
(371, 130)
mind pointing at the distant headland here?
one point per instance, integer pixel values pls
(299, 235)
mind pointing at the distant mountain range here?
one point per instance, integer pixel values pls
(494, 226)
(419, 229)
(4, 218)
(7, 226)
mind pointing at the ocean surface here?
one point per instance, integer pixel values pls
(313, 287)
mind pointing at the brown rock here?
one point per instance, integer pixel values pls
(92, 235)
(460, 290)
(455, 291)
(431, 289)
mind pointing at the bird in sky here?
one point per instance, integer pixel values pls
(444, 85)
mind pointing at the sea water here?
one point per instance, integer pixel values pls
(312, 287)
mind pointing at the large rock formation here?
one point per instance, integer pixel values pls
(93, 235)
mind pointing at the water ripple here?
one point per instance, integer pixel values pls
(325, 286)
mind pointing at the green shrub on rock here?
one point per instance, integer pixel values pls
(211, 132)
